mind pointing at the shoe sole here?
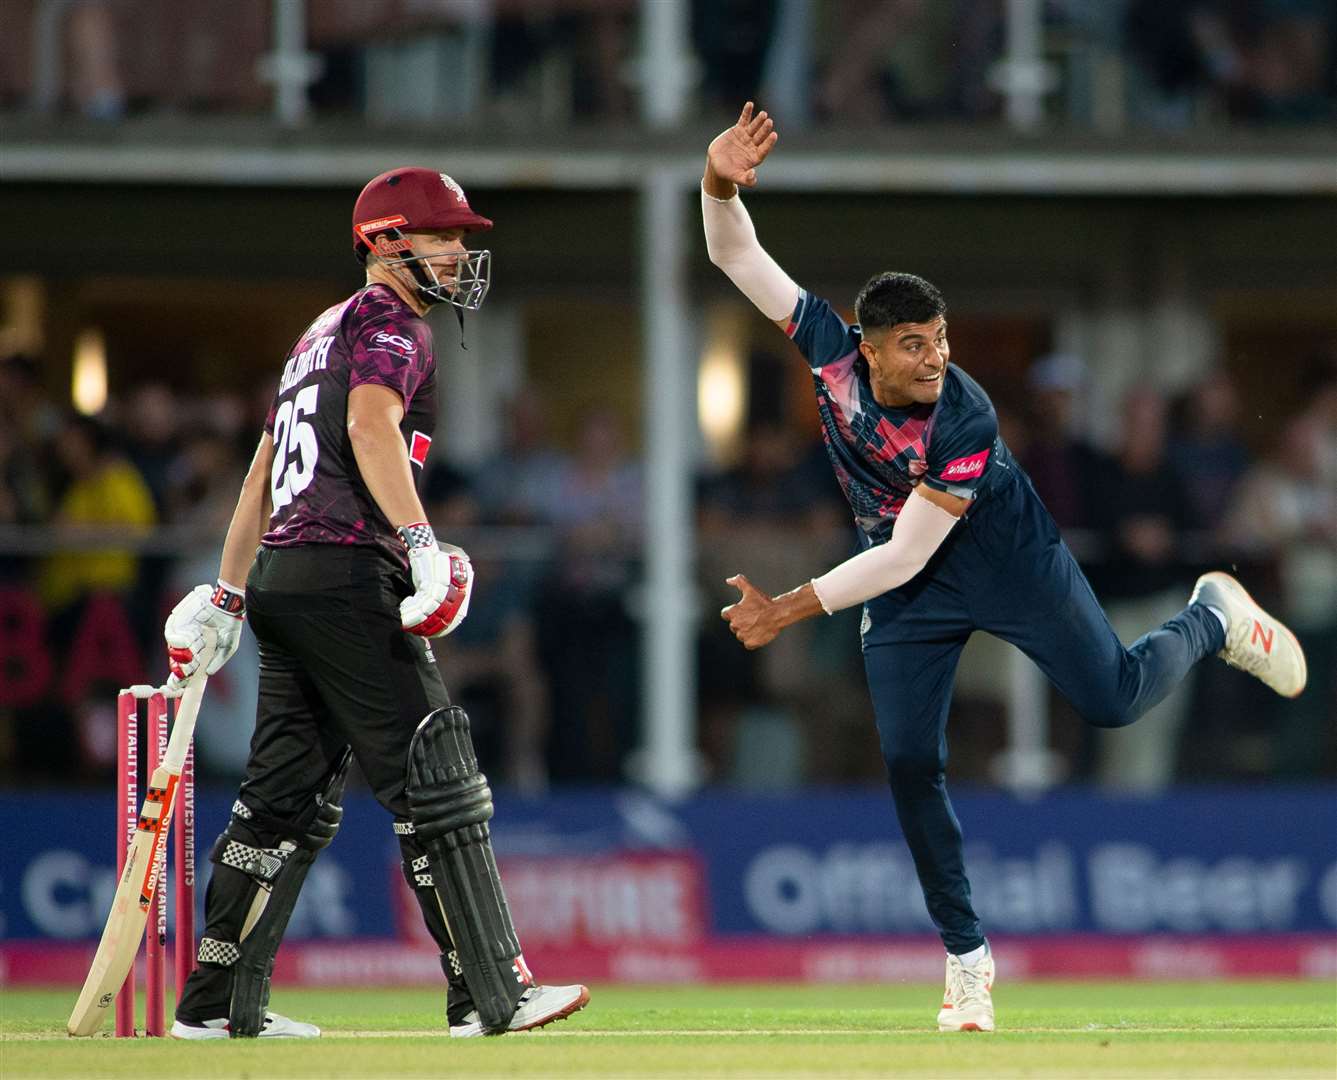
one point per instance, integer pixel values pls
(561, 1014)
(1231, 584)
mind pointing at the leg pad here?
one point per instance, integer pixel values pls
(451, 804)
(286, 866)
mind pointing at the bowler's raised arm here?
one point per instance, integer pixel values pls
(732, 160)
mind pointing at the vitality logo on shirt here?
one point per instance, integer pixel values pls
(966, 468)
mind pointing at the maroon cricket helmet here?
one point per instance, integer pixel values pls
(410, 200)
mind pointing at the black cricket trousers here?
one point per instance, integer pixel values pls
(336, 669)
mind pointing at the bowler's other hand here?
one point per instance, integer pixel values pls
(735, 153)
(752, 618)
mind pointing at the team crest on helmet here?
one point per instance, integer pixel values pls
(459, 191)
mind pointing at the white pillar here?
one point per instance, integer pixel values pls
(48, 55)
(1022, 76)
(1027, 766)
(665, 67)
(289, 66)
(786, 79)
(666, 761)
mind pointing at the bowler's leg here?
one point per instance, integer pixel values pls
(1047, 610)
(911, 686)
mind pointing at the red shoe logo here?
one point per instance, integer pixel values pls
(1262, 633)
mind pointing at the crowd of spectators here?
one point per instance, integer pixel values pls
(528, 66)
(129, 510)
(1180, 492)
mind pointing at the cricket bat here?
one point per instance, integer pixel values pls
(144, 864)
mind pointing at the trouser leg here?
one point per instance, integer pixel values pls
(291, 754)
(1065, 631)
(377, 684)
(1028, 590)
(911, 686)
(1144, 756)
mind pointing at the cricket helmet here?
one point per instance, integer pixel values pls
(408, 200)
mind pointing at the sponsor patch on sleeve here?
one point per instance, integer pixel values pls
(966, 468)
(418, 448)
(395, 343)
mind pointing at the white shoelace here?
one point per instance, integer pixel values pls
(1238, 655)
(970, 986)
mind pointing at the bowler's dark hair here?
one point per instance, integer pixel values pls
(891, 299)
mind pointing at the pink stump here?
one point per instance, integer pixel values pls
(127, 818)
(183, 853)
(156, 976)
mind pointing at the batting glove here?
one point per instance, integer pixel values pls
(442, 580)
(220, 608)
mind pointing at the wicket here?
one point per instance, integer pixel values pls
(183, 855)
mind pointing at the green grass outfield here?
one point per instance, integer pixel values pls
(1214, 1029)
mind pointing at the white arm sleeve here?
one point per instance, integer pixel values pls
(731, 243)
(920, 530)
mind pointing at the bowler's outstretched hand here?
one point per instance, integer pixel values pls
(735, 153)
(753, 617)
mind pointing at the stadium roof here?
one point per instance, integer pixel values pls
(942, 161)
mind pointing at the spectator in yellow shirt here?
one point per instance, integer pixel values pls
(105, 493)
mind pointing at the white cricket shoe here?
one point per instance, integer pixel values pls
(1255, 641)
(538, 1005)
(275, 1027)
(966, 1004)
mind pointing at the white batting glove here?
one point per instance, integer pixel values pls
(442, 580)
(220, 608)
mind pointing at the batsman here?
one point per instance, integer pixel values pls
(345, 586)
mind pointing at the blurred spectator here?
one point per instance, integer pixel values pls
(491, 663)
(755, 706)
(1286, 509)
(97, 86)
(589, 643)
(909, 59)
(150, 423)
(1207, 450)
(30, 421)
(202, 483)
(517, 484)
(103, 491)
(856, 85)
(25, 493)
(1266, 61)
(1143, 513)
(555, 57)
(1284, 49)
(774, 486)
(1178, 58)
(1060, 463)
(732, 37)
(491, 666)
